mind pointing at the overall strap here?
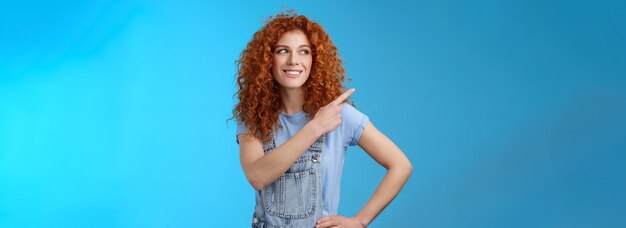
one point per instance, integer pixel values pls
(268, 146)
(318, 145)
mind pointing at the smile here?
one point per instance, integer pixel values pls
(293, 73)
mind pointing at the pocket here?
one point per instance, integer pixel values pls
(293, 195)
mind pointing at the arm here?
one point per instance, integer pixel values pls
(263, 169)
(399, 168)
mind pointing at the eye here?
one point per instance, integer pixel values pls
(305, 52)
(281, 51)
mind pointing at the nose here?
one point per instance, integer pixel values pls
(293, 60)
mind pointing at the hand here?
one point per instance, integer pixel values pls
(339, 221)
(328, 117)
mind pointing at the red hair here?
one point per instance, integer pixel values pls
(258, 93)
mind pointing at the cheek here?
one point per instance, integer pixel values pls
(279, 59)
(308, 62)
(275, 66)
(275, 60)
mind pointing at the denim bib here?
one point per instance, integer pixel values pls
(295, 198)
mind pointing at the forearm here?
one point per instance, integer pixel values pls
(386, 191)
(271, 166)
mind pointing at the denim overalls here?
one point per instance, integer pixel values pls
(295, 198)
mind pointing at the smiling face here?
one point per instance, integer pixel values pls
(292, 60)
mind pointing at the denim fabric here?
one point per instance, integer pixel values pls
(335, 146)
(295, 198)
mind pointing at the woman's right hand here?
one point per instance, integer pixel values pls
(328, 117)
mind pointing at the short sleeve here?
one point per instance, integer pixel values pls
(352, 123)
(241, 129)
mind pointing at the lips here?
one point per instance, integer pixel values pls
(292, 73)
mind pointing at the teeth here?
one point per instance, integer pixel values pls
(293, 72)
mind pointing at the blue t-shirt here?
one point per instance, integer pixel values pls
(337, 141)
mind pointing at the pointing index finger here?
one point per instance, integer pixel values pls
(343, 96)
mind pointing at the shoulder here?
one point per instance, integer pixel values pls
(350, 112)
(241, 129)
(352, 123)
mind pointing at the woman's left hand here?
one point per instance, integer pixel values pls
(339, 221)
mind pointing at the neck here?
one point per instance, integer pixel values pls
(293, 100)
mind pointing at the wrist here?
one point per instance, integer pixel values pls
(313, 129)
(363, 221)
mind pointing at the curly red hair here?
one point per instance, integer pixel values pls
(259, 97)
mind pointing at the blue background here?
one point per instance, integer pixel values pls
(113, 113)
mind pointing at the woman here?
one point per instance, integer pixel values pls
(294, 125)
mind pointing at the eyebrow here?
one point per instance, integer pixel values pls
(304, 45)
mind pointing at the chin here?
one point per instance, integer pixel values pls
(290, 83)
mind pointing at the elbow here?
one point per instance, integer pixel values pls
(408, 169)
(257, 184)
(257, 179)
(406, 165)
(404, 168)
